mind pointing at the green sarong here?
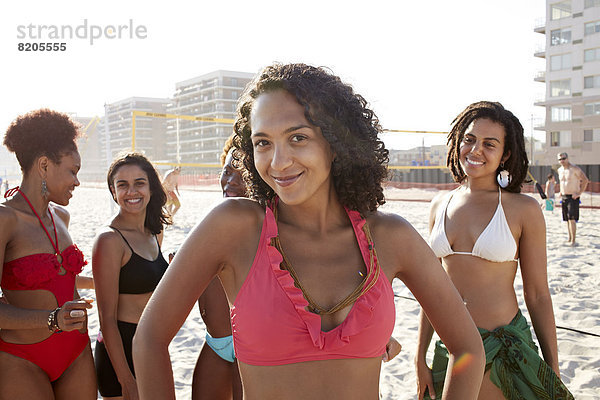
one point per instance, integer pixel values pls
(516, 367)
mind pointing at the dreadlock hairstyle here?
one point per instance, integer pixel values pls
(156, 216)
(348, 125)
(514, 141)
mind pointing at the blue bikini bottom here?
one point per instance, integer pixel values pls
(223, 346)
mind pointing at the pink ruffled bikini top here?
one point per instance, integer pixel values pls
(42, 271)
(272, 326)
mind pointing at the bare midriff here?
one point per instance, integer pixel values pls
(486, 288)
(131, 306)
(348, 379)
(40, 299)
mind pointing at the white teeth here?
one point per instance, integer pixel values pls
(475, 162)
(133, 201)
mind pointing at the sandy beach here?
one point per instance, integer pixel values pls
(573, 280)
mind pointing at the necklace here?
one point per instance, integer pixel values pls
(55, 242)
(365, 285)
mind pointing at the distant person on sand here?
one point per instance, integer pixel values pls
(572, 184)
(307, 261)
(550, 194)
(483, 231)
(171, 186)
(127, 263)
(44, 344)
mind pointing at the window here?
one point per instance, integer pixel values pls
(560, 36)
(591, 109)
(592, 3)
(591, 27)
(590, 82)
(591, 54)
(234, 95)
(560, 10)
(561, 61)
(591, 135)
(554, 139)
(560, 113)
(560, 88)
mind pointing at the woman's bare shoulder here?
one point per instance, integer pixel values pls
(521, 201)
(233, 217)
(8, 219)
(387, 224)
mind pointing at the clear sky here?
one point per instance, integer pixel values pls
(418, 63)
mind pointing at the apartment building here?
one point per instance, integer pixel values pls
(93, 166)
(572, 80)
(213, 95)
(115, 128)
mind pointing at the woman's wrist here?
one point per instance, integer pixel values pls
(53, 321)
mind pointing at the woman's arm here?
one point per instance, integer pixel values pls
(107, 256)
(209, 247)
(12, 317)
(424, 377)
(532, 254)
(422, 273)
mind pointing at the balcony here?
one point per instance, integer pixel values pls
(540, 51)
(540, 76)
(540, 26)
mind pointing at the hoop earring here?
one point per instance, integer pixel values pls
(503, 177)
(44, 189)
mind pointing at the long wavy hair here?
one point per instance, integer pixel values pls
(41, 133)
(514, 141)
(347, 123)
(156, 215)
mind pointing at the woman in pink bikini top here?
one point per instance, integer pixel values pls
(307, 262)
(44, 345)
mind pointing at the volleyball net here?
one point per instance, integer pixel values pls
(417, 158)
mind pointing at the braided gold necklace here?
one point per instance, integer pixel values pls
(365, 285)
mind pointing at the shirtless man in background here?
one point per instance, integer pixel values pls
(572, 184)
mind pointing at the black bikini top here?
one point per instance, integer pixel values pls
(139, 275)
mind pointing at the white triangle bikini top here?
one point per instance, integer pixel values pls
(496, 243)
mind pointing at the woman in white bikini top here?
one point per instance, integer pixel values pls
(482, 232)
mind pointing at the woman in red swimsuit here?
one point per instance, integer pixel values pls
(44, 346)
(307, 262)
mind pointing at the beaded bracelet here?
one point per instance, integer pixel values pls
(53, 321)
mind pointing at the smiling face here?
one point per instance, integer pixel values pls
(290, 154)
(61, 178)
(481, 149)
(131, 189)
(231, 179)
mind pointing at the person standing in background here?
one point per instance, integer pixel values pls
(572, 184)
(171, 186)
(550, 185)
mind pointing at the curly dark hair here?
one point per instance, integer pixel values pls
(514, 141)
(226, 147)
(41, 133)
(348, 125)
(156, 216)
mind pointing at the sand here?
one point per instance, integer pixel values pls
(573, 280)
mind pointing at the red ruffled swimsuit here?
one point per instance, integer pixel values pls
(42, 271)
